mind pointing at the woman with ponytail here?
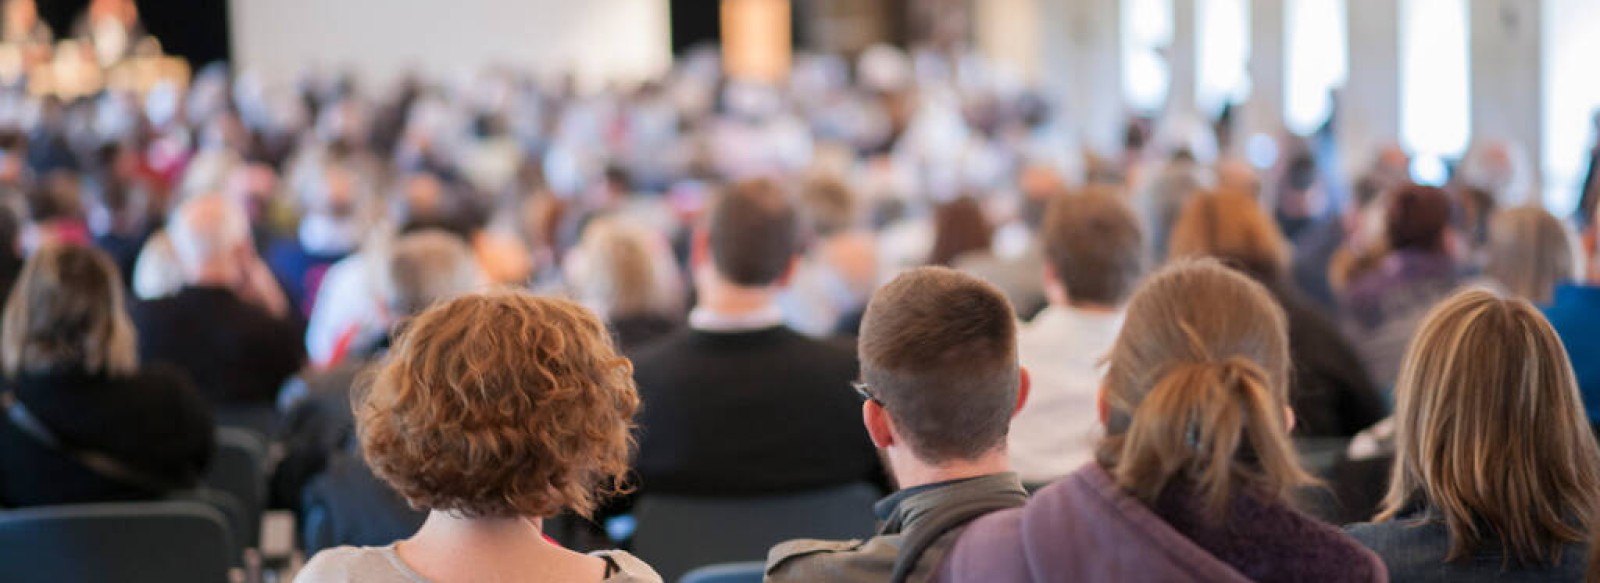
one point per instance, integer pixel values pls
(1193, 478)
(1496, 474)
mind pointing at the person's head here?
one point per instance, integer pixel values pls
(831, 207)
(1417, 219)
(425, 268)
(751, 235)
(500, 405)
(1197, 389)
(1232, 227)
(66, 311)
(622, 269)
(959, 227)
(1093, 247)
(208, 234)
(939, 361)
(1490, 432)
(1529, 253)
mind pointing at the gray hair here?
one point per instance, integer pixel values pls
(425, 268)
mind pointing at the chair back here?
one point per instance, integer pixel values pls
(238, 468)
(677, 534)
(752, 572)
(139, 542)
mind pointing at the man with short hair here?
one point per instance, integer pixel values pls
(1093, 249)
(941, 381)
(230, 326)
(739, 404)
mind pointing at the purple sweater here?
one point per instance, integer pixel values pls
(1085, 528)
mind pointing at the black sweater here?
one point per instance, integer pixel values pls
(236, 353)
(749, 413)
(153, 421)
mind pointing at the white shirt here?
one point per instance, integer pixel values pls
(706, 320)
(1056, 430)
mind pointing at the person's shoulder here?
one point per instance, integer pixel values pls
(349, 564)
(1382, 536)
(626, 568)
(825, 560)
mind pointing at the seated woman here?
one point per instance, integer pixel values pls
(1328, 388)
(1193, 478)
(1496, 474)
(82, 422)
(494, 412)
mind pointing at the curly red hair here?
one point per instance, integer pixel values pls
(501, 404)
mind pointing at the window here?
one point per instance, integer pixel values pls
(1316, 62)
(1223, 55)
(1146, 36)
(1435, 85)
(1571, 97)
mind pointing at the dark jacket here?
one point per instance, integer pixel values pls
(749, 413)
(1414, 547)
(236, 353)
(1329, 389)
(154, 422)
(349, 505)
(1085, 528)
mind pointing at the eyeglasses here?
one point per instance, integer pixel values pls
(865, 390)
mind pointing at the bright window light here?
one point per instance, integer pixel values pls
(1146, 36)
(1435, 86)
(1571, 97)
(1316, 63)
(1223, 54)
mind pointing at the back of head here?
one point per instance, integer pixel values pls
(938, 351)
(622, 269)
(66, 312)
(1530, 252)
(959, 227)
(1417, 218)
(500, 405)
(1094, 245)
(753, 231)
(830, 205)
(1491, 432)
(207, 229)
(1197, 388)
(428, 267)
(1230, 226)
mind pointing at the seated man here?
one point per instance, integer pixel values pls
(230, 325)
(941, 382)
(739, 404)
(1093, 248)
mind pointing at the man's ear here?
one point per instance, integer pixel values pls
(879, 427)
(788, 272)
(1024, 384)
(699, 249)
(1054, 291)
(1288, 419)
(1101, 406)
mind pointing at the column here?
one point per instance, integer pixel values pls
(1262, 114)
(1369, 106)
(1182, 60)
(1081, 64)
(1507, 61)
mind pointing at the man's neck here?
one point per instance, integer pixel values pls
(1089, 307)
(911, 472)
(727, 300)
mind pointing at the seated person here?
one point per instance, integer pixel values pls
(493, 413)
(739, 404)
(1193, 478)
(1497, 470)
(1574, 312)
(229, 327)
(941, 380)
(1093, 250)
(75, 392)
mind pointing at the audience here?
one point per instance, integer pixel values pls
(623, 272)
(1328, 388)
(1193, 478)
(1529, 254)
(1383, 306)
(1094, 253)
(941, 381)
(242, 364)
(741, 405)
(1496, 475)
(831, 284)
(84, 422)
(494, 412)
(1574, 312)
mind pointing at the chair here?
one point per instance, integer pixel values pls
(752, 572)
(677, 534)
(142, 542)
(238, 468)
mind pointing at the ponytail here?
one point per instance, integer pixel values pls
(1214, 423)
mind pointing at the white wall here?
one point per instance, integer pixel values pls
(598, 39)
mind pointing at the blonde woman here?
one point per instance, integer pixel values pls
(1530, 252)
(625, 272)
(72, 376)
(1496, 473)
(1193, 478)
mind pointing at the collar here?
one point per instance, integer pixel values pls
(706, 320)
(901, 510)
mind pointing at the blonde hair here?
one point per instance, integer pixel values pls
(1530, 252)
(622, 269)
(1491, 433)
(1197, 382)
(67, 310)
(1231, 226)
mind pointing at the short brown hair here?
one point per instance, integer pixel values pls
(498, 405)
(939, 351)
(1490, 432)
(1093, 242)
(830, 205)
(1417, 218)
(66, 310)
(753, 231)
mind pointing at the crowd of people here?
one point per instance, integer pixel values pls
(464, 312)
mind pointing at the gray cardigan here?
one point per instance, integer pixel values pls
(1414, 548)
